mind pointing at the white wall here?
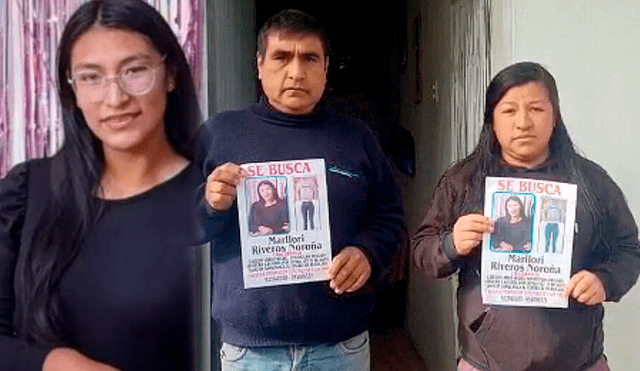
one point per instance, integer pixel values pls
(593, 50)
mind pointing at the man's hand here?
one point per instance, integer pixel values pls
(468, 231)
(67, 359)
(586, 288)
(349, 270)
(221, 185)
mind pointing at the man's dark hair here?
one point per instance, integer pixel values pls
(292, 21)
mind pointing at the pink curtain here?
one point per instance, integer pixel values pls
(5, 148)
(40, 34)
(30, 122)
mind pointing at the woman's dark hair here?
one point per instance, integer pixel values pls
(487, 154)
(77, 168)
(274, 191)
(519, 201)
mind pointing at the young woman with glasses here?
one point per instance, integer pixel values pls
(96, 269)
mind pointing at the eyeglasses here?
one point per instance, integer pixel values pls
(135, 79)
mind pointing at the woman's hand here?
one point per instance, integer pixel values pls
(221, 185)
(263, 231)
(506, 246)
(586, 288)
(468, 231)
(349, 270)
(67, 359)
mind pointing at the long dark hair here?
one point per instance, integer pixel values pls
(519, 202)
(486, 157)
(77, 168)
(274, 191)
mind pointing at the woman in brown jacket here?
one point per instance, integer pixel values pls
(524, 137)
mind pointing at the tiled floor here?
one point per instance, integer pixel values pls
(393, 350)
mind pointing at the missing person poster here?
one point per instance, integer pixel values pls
(284, 223)
(526, 261)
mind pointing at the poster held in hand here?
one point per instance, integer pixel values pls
(526, 261)
(284, 223)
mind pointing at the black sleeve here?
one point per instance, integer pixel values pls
(201, 144)
(432, 245)
(496, 236)
(284, 215)
(528, 232)
(15, 354)
(380, 236)
(253, 223)
(213, 222)
(619, 271)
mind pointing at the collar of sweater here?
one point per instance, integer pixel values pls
(549, 166)
(269, 114)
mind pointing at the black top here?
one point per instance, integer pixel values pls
(273, 216)
(129, 297)
(515, 234)
(365, 210)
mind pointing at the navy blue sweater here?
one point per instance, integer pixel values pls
(365, 210)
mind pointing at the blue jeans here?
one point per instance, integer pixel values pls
(307, 209)
(551, 232)
(348, 355)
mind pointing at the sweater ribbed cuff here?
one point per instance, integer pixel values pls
(448, 247)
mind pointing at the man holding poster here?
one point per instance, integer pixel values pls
(343, 208)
